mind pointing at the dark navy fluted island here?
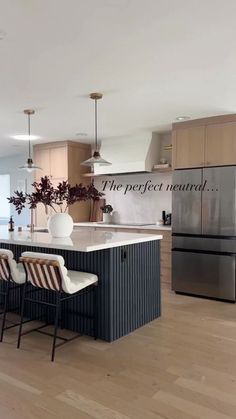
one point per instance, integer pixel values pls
(128, 268)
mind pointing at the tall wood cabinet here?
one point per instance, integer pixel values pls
(204, 142)
(62, 161)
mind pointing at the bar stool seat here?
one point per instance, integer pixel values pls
(16, 272)
(12, 276)
(80, 280)
(48, 271)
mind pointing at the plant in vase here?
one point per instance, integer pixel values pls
(107, 213)
(59, 199)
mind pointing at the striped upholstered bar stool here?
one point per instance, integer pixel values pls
(13, 277)
(46, 271)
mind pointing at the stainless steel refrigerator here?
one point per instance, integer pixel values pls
(204, 232)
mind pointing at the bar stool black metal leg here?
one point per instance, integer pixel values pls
(58, 307)
(6, 296)
(21, 314)
(95, 312)
(62, 316)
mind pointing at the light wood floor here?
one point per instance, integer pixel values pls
(181, 366)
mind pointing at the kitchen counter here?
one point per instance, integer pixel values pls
(81, 240)
(155, 227)
(128, 270)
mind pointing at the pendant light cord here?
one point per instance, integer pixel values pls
(29, 135)
(96, 127)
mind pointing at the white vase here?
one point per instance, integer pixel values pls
(107, 218)
(60, 225)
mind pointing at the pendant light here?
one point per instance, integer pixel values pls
(29, 166)
(96, 159)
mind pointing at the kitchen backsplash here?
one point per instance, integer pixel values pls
(131, 201)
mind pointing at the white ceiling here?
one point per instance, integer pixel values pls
(152, 59)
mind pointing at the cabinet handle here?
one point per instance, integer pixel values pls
(123, 255)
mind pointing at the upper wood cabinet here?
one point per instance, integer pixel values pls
(42, 159)
(220, 144)
(203, 143)
(188, 147)
(61, 161)
(53, 159)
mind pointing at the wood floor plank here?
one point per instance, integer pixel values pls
(188, 407)
(94, 409)
(219, 380)
(18, 383)
(202, 388)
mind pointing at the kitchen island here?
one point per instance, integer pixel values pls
(128, 268)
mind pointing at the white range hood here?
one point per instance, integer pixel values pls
(129, 154)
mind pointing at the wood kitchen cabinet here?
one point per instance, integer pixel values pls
(62, 161)
(204, 142)
(59, 162)
(42, 159)
(53, 159)
(220, 144)
(188, 147)
(165, 255)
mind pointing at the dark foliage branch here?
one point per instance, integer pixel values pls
(60, 197)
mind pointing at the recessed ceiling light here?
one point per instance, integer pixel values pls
(182, 118)
(81, 134)
(24, 137)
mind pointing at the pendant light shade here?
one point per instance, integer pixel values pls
(29, 166)
(96, 158)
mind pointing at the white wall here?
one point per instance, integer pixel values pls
(9, 165)
(134, 206)
(4, 193)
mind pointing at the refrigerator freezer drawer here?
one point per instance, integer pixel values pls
(206, 244)
(204, 274)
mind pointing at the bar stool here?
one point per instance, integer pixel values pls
(13, 276)
(47, 271)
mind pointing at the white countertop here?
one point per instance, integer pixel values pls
(155, 227)
(81, 240)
